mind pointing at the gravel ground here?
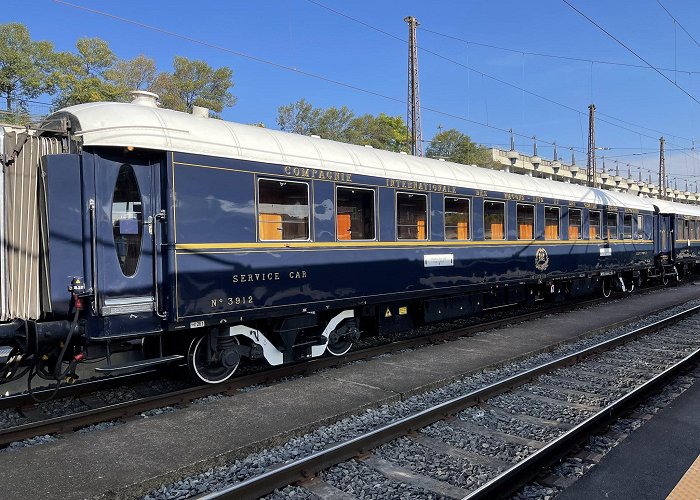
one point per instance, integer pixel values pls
(219, 477)
(573, 467)
(484, 445)
(458, 472)
(364, 482)
(540, 409)
(508, 425)
(566, 397)
(10, 418)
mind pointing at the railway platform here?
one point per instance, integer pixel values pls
(659, 460)
(139, 455)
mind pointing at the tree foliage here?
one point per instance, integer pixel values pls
(340, 124)
(25, 67)
(195, 83)
(93, 72)
(453, 145)
(138, 73)
(82, 75)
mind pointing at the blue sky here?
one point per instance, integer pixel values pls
(302, 34)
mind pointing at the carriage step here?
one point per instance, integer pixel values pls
(141, 364)
(320, 340)
(126, 336)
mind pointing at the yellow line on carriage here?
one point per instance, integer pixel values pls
(385, 244)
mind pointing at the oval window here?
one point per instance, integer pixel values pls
(127, 220)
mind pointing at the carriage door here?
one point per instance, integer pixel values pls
(126, 205)
(665, 232)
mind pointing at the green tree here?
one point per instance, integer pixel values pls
(82, 77)
(381, 132)
(195, 83)
(25, 66)
(138, 73)
(453, 145)
(341, 124)
(299, 118)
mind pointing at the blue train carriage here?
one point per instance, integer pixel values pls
(678, 241)
(198, 238)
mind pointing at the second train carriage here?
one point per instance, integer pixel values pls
(218, 241)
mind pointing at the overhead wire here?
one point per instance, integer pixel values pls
(344, 84)
(632, 51)
(552, 56)
(499, 80)
(284, 67)
(679, 24)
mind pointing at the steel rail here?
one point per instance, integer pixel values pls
(72, 421)
(306, 467)
(81, 388)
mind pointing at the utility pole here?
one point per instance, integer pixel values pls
(662, 169)
(415, 134)
(591, 147)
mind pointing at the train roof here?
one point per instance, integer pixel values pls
(149, 127)
(671, 207)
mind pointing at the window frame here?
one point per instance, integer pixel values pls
(600, 225)
(558, 209)
(534, 221)
(374, 211)
(505, 219)
(616, 213)
(580, 224)
(631, 226)
(469, 201)
(396, 216)
(257, 208)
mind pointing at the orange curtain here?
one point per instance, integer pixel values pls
(420, 225)
(525, 232)
(593, 232)
(270, 226)
(496, 231)
(462, 231)
(344, 232)
(551, 232)
(573, 233)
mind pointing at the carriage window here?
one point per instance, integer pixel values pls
(411, 216)
(127, 220)
(456, 218)
(686, 230)
(494, 220)
(640, 227)
(575, 221)
(355, 214)
(627, 227)
(612, 225)
(283, 210)
(551, 223)
(594, 225)
(525, 216)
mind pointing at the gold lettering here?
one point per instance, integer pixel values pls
(288, 170)
(235, 278)
(296, 171)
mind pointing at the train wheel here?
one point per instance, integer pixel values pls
(607, 288)
(205, 366)
(340, 340)
(340, 347)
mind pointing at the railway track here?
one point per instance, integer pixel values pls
(31, 419)
(486, 443)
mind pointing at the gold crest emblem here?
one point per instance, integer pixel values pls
(541, 260)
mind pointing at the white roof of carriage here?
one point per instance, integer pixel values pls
(140, 126)
(671, 207)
